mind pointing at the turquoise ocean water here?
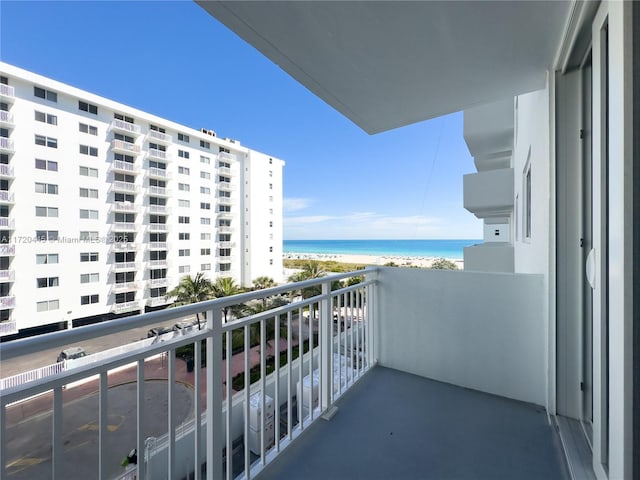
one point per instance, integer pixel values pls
(406, 248)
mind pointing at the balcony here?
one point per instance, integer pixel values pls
(124, 266)
(8, 327)
(125, 147)
(224, 200)
(6, 145)
(226, 186)
(226, 157)
(224, 215)
(6, 118)
(159, 191)
(127, 187)
(159, 209)
(158, 137)
(124, 287)
(158, 245)
(7, 92)
(158, 227)
(158, 173)
(126, 127)
(126, 207)
(6, 197)
(123, 227)
(452, 388)
(6, 171)
(225, 229)
(126, 167)
(7, 275)
(124, 246)
(226, 244)
(224, 171)
(7, 302)
(157, 154)
(9, 223)
(7, 249)
(126, 307)
(159, 263)
(157, 301)
(159, 282)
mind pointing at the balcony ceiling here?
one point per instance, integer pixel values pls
(385, 64)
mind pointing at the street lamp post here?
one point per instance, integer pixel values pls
(69, 320)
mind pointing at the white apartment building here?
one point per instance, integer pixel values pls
(103, 208)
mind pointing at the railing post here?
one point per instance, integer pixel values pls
(371, 300)
(214, 395)
(325, 333)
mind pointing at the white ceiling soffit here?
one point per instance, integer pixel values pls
(385, 64)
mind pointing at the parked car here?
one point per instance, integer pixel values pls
(71, 353)
(157, 331)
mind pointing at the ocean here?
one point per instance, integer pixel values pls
(406, 248)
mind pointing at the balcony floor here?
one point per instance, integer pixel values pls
(396, 425)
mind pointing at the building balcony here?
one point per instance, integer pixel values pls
(159, 191)
(6, 118)
(126, 207)
(225, 200)
(158, 173)
(6, 171)
(159, 209)
(159, 263)
(124, 287)
(125, 266)
(159, 282)
(7, 93)
(225, 229)
(223, 258)
(124, 246)
(126, 167)
(489, 193)
(123, 227)
(225, 171)
(158, 245)
(226, 244)
(6, 197)
(158, 227)
(125, 147)
(158, 137)
(126, 307)
(6, 145)
(157, 154)
(226, 157)
(127, 187)
(8, 327)
(126, 127)
(225, 215)
(458, 385)
(7, 275)
(7, 302)
(157, 301)
(7, 249)
(6, 222)
(226, 186)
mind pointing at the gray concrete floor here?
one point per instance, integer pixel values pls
(394, 425)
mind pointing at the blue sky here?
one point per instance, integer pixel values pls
(174, 60)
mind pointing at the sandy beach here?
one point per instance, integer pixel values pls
(423, 262)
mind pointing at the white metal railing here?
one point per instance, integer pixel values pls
(158, 245)
(158, 282)
(158, 263)
(7, 222)
(224, 171)
(123, 166)
(6, 196)
(126, 307)
(6, 170)
(159, 136)
(224, 200)
(6, 117)
(322, 345)
(124, 186)
(124, 246)
(7, 90)
(156, 153)
(124, 207)
(6, 144)
(8, 328)
(125, 146)
(155, 301)
(225, 229)
(226, 186)
(158, 227)
(125, 286)
(226, 157)
(126, 126)
(226, 244)
(124, 226)
(161, 209)
(154, 190)
(7, 302)
(125, 266)
(7, 249)
(7, 275)
(158, 172)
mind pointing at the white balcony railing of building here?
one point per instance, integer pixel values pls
(125, 146)
(158, 172)
(158, 282)
(125, 126)
(7, 275)
(156, 136)
(6, 197)
(323, 366)
(7, 249)
(226, 244)
(224, 171)
(224, 200)
(121, 266)
(8, 328)
(226, 157)
(7, 91)
(161, 191)
(225, 229)
(122, 166)
(161, 209)
(157, 301)
(7, 302)
(6, 144)
(124, 186)
(7, 222)
(158, 245)
(158, 263)
(125, 287)
(157, 154)
(226, 186)
(6, 117)
(158, 227)
(6, 170)
(126, 307)
(124, 207)
(124, 246)
(124, 227)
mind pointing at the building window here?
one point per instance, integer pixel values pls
(47, 305)
(46, 282)
(48, 188)
(205, 236)
(184, 252)
(184, 203)
(204, 144)
(205, 175)
(270, 249)
(205, 221)
(183, 138)
(271, 173)
(183, 170)
(89, 256)
(88, 214)
(89, 193)
(527, 202)
(184, 187)
(183, 154)
(271, 186)
(155, 128)
(46, 141)
(125, 297)
(46, 118)
(125, 277)
(270, 161)
(87, 236)
(183, 219)
(271, 261)
(225, 267)
(87, 107)
(87, 150)
(46, 258)
(47, 212)
(224, 252)
(89, 172)
(205, 190)
(89, 299)
(124, 118)
(205, 251)
(90, 129)
(46, 94)
(184, 236)
(184, 269)
(205, 206)
(158, 292)
(47, 235)
(205, 267)
(46, 165)
(271, 224)
(205, 160)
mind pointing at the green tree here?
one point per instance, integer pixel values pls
(310, 270)
(261, 283)
(443, 264)
(227, 287)
(192, 290)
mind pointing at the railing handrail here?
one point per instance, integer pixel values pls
(20, 347)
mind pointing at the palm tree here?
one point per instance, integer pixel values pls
(192, 290)
(226, 287)
(310, 270)
(261, 283)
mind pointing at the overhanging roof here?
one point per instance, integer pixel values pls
(385, 64)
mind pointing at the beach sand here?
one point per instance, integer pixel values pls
(423, 262)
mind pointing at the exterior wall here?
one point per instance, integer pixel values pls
(484, 331)
(195, 169)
